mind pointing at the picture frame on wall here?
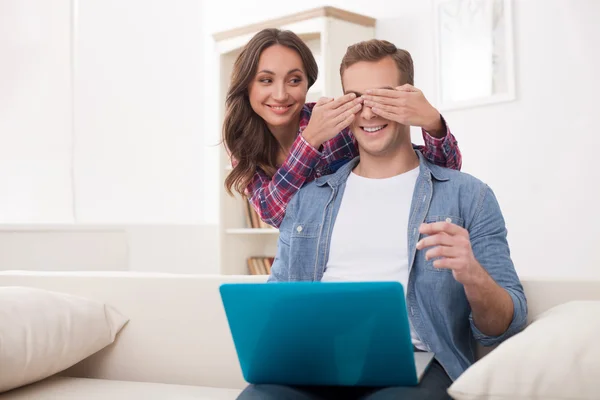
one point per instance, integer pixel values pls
(474, 53)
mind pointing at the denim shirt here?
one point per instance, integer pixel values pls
(437, 305)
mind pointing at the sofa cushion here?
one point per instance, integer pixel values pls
(65, 388)
(44, 332)
(556, 357)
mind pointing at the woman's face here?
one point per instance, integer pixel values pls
(278, 91)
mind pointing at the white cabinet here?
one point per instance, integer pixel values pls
(328, 32)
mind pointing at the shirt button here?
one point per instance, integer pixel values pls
(299, 228)
(449, 220)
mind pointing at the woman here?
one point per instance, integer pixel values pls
(278, 143)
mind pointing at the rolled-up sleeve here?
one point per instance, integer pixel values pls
(488, 236)
(517, 324)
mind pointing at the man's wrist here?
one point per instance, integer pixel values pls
(478, 280)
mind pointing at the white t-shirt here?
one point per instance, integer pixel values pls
(369, 239)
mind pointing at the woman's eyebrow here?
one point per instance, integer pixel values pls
(291, 71)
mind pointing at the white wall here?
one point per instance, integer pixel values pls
(537, 153)
(187, 249)
(138, 96)
(101, 110)
(191, 249)
(101, 137)
(35, 111)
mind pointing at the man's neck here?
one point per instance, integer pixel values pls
(395, 163)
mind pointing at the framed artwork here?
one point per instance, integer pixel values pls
(474, 52)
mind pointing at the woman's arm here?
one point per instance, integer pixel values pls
(319, 129)
(270, 196)
(442, 151)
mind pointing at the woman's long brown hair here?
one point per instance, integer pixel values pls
(245, 133)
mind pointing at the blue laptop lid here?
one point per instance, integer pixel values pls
(317, 333)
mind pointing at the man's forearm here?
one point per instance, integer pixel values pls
(491, 305)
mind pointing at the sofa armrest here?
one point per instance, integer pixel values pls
(177, 333)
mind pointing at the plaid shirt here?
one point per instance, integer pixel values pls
(270, 195)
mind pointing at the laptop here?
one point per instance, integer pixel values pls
(323, 333)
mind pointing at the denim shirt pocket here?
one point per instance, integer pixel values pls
(439, 218)
(304, 239)
(305, 230)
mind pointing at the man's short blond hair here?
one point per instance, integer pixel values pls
(375, 50)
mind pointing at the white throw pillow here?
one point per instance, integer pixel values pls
(44, 332)
(556, 357)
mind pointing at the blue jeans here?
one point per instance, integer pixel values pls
(433, 386)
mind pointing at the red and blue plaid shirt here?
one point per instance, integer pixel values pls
(270, 195)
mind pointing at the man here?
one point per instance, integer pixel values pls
(391, 215)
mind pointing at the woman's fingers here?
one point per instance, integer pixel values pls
(340, 119)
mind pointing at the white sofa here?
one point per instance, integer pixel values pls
(177, 343)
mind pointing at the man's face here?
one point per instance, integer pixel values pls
(376, 135)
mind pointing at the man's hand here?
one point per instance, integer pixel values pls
(329, 117)
(406, 105)
(452, 245)
(491, 305)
